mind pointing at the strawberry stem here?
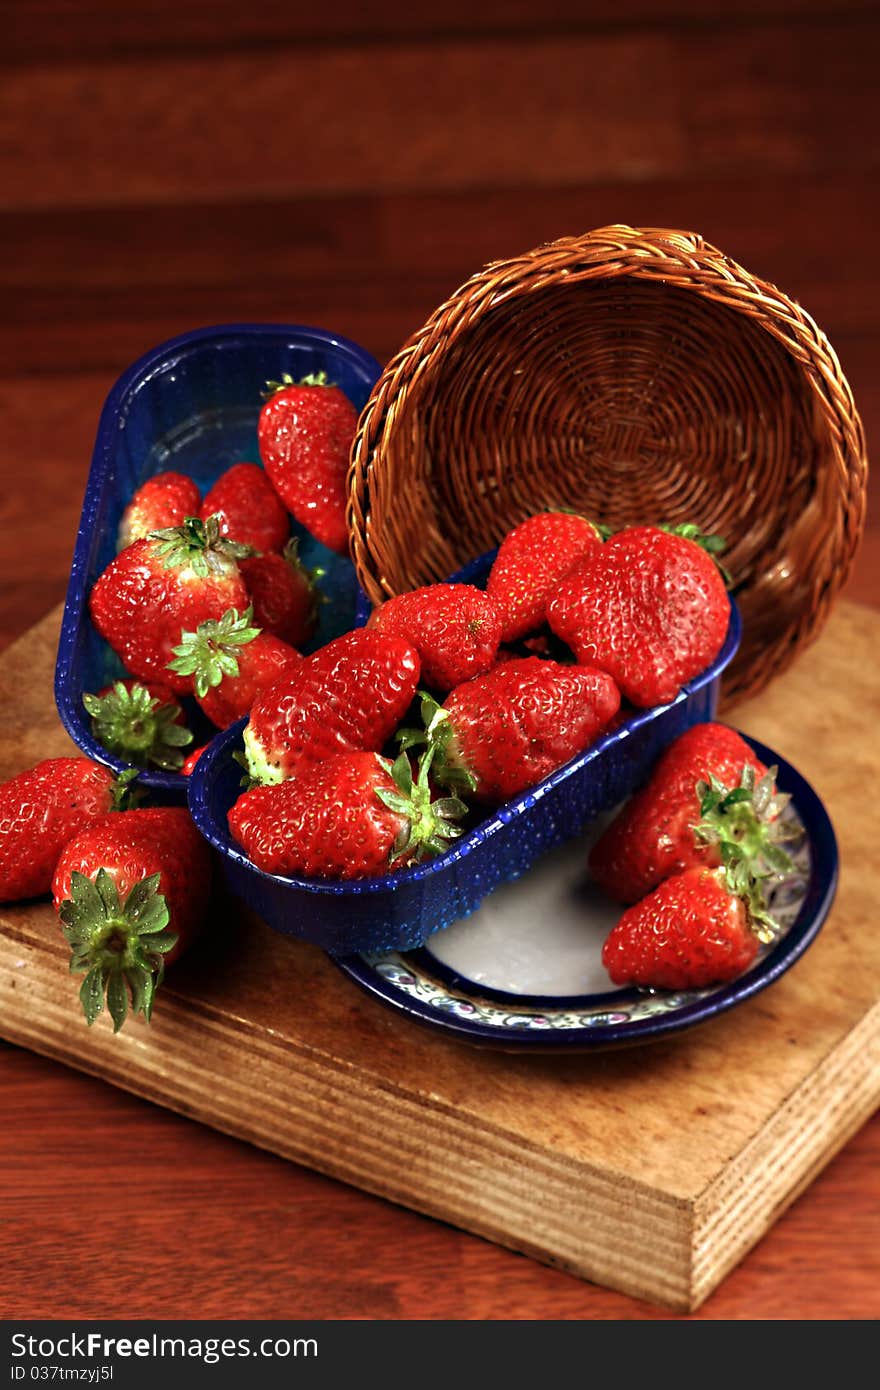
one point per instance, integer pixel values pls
(428, 826)
(138, 726)
(438, 739)
(209, 653)
(119, 946)
(198, 544)
(312, 379)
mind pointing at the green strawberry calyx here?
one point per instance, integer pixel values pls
(210, 653)
(312, 379)
(439, 739)
(428, 826)
(138, 726)
(121, 947)
(746, 825)
(198, 544)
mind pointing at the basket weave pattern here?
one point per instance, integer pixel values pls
(636, 375)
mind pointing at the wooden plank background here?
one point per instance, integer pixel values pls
(164, 166)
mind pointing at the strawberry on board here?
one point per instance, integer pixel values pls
(502, 732)
(354, 815)
(306, 430)
(164, 585)
(283, 593)
(348, 696)
(131, 890)
(230, 661)
(40, 810)
(455, 628)
(164, 500)
(248, 508)
(649, 607)
(531, 560)
(653, 836)
(144, 724)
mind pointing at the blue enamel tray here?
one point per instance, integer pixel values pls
(191, 404)
(401, 910)
(525, 971)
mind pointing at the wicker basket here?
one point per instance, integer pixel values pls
(636, 374)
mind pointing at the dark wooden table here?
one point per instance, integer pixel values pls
(171, 166)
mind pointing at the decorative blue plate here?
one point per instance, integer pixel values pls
(525, 971)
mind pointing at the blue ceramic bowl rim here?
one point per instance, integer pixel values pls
(821, 890)
(217, 834)
(164, 354)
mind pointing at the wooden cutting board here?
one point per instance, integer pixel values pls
(651, 1170)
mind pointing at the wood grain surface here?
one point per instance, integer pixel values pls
(123, 222)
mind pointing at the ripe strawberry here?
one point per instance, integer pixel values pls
(349, 696)
(649, 607)
(653, 837)
(142, 723)
(131, 891)
(283, 593)
(354, 815)
(230, 662)
(161, 586)
(502, 732)
(248, 507)
(692, 931)
(164, 500)
(305, 432)
(191, 761)
(531, 560)
(40, 810)
(455, 628)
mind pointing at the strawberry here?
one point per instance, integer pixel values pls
(649, 607)
(502, 732)
(142, 723)
(248, 507)
(531, 560)
(348, 696)
(191, 761)
(455, 628)
(354, 815)
(162, 501)
(131, 890)
(306, 430)
(283, 594)
(161, 586)
(230, 663)
(40, 810)
(653, 837)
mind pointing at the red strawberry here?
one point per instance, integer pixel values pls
(141, 723)
(531, 560)
(502, 732)
(191, 761)
(306, 431)
(690, 932)
(162, 586)
(653, 836)
(649, 607)
(230, 662)
(354, 815)
(349, 696)
(40, 810)
(283, 593)
(162, 501)
(455, 628)
(249, 508)
(131, 891)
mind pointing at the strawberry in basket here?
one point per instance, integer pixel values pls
(161, 586)
(162, 501)
(306, 430)
(500, 733)
(230, 662)
(348, 696)
(649, 607)
(455, 628)
(283, 593)
(531, 560)
(248, 507)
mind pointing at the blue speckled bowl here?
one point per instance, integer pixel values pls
(401, 910)
(191, 404)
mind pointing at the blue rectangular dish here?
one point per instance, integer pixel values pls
(191, 404)
(401, 910)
